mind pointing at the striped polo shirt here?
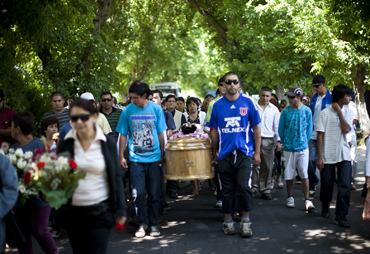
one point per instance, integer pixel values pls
(62, 117)
(113, 119)
(335, 146)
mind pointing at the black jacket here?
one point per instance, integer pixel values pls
(117, 200)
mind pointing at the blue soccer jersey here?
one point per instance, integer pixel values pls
(234, 121)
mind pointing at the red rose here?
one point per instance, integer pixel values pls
(27, 177)
(40, 164)
(72, 164)
(120, 227)
(38, 152)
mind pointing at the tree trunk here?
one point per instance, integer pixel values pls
(279, 91)
(358, 87)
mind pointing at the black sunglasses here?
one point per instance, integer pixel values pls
(317, 86)
(1, 99)
(106, 99)
(230, 81)
(83, 117)
(292, 97)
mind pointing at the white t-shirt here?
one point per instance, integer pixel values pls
(351, 136)
(335, 147)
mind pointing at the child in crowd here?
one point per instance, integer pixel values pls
(5, 146)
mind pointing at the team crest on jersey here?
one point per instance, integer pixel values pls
(243, 111)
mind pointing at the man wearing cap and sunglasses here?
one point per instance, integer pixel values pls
(6, 117)
(321, 100)
(295, 129)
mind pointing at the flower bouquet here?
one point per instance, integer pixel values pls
(23, 163)
(58, 177)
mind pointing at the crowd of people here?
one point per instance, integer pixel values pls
(255, 144)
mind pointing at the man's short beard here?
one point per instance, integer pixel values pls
(230, 93)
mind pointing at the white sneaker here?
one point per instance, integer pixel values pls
(228, 228)
(290, 202)
(280, 184)
(219, 204)
(309, 205)
(245, 227)
(272, 184)
(154, 231)
(140, 232)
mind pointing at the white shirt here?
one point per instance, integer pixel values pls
(269, 121)
(316, 115)
(335, 147)
(351, 136)
(94, 188)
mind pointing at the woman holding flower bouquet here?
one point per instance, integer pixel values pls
(99, 197)
(33, 215)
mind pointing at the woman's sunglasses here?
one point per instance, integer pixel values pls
(83, 117)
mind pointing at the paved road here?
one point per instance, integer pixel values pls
(194, 226)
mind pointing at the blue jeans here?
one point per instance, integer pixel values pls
(344, 171)
(146, 180)
(312, 177)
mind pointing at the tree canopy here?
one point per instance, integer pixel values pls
(87, 45)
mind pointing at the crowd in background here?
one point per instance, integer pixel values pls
(121, 147)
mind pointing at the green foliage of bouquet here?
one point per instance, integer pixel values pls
(58, 177)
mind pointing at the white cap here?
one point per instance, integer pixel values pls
(87, 96)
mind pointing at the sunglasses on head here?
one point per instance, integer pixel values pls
(106, 99)
(317, 86)
(83, 117)
(292, 97)
(230, 81)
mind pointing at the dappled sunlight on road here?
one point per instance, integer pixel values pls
(351, 241)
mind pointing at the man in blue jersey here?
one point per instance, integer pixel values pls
(143, 121)
(295, 129)
(235, 136)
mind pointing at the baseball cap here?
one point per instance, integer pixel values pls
(87, 96)
(294, 91)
